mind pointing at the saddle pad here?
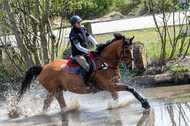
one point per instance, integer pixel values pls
(70, 63)
(78, 70)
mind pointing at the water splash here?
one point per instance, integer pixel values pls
(123, 100)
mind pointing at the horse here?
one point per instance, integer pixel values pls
(55, 78)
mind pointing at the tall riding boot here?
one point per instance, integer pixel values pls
(85, 77)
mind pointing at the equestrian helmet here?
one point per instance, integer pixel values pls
(75, 19)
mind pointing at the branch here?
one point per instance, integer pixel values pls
(5, 47)
(27, 14)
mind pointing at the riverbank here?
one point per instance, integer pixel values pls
(175, 72)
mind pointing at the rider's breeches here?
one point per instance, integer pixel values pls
(82, 61)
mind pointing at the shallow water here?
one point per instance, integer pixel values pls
(169, 106)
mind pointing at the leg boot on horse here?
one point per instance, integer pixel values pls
(120, 87)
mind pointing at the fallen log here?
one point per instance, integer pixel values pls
(165, 79)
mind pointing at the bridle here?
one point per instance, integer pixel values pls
(125, 44)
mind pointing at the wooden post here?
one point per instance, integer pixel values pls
(89, 28)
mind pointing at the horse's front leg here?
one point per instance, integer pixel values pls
(143, 101)
(119, 87)
(114, 95)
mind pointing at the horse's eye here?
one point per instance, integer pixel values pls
(127, 51)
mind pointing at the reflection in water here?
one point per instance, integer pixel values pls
(144, 117)
(168, 108)
(176, 114)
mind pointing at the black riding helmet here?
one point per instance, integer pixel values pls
(75, 19)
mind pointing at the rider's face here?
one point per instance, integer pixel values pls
(78, 24)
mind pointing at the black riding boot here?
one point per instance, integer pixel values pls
(85, 77)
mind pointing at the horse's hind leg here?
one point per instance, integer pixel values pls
(60, 99)
(47, 101)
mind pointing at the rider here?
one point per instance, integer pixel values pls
(78, 37)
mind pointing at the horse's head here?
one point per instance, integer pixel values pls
(118, 49)
(126, 52)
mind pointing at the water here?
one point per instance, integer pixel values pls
(170, 106)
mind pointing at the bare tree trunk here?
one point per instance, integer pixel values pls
(162, 35)
(43, 23)
(16, 32)
(186, 49)
(182, 46)
(35, 39)
(174, 43)
(163, 49)
(44, 45)
(53, 39)
(1, 59)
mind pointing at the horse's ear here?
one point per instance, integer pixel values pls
(131, 39)
(117, 35)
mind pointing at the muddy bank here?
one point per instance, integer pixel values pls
(174, 72)
(165, 79)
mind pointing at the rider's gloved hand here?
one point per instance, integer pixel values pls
(93, 52)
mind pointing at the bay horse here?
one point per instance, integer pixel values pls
(55, 78)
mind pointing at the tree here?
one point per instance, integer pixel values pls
(168, 8)
(29, 22)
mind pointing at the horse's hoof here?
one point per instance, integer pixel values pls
(145, 104)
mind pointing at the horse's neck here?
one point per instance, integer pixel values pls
(111, 52)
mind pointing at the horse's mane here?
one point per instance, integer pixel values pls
(101, 47)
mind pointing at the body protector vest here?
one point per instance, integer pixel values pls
(78, 35)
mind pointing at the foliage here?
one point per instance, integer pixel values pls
(126, 8)
(125, 73)
(179, 67)
(98, 8)
(9, 73)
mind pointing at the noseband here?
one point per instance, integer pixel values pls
(125, 44)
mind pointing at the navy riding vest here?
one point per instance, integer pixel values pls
(81, 35)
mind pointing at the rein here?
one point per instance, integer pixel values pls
(105, 65)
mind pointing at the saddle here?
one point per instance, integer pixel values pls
(74, 68)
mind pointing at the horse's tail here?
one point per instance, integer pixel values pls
(30, 74)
